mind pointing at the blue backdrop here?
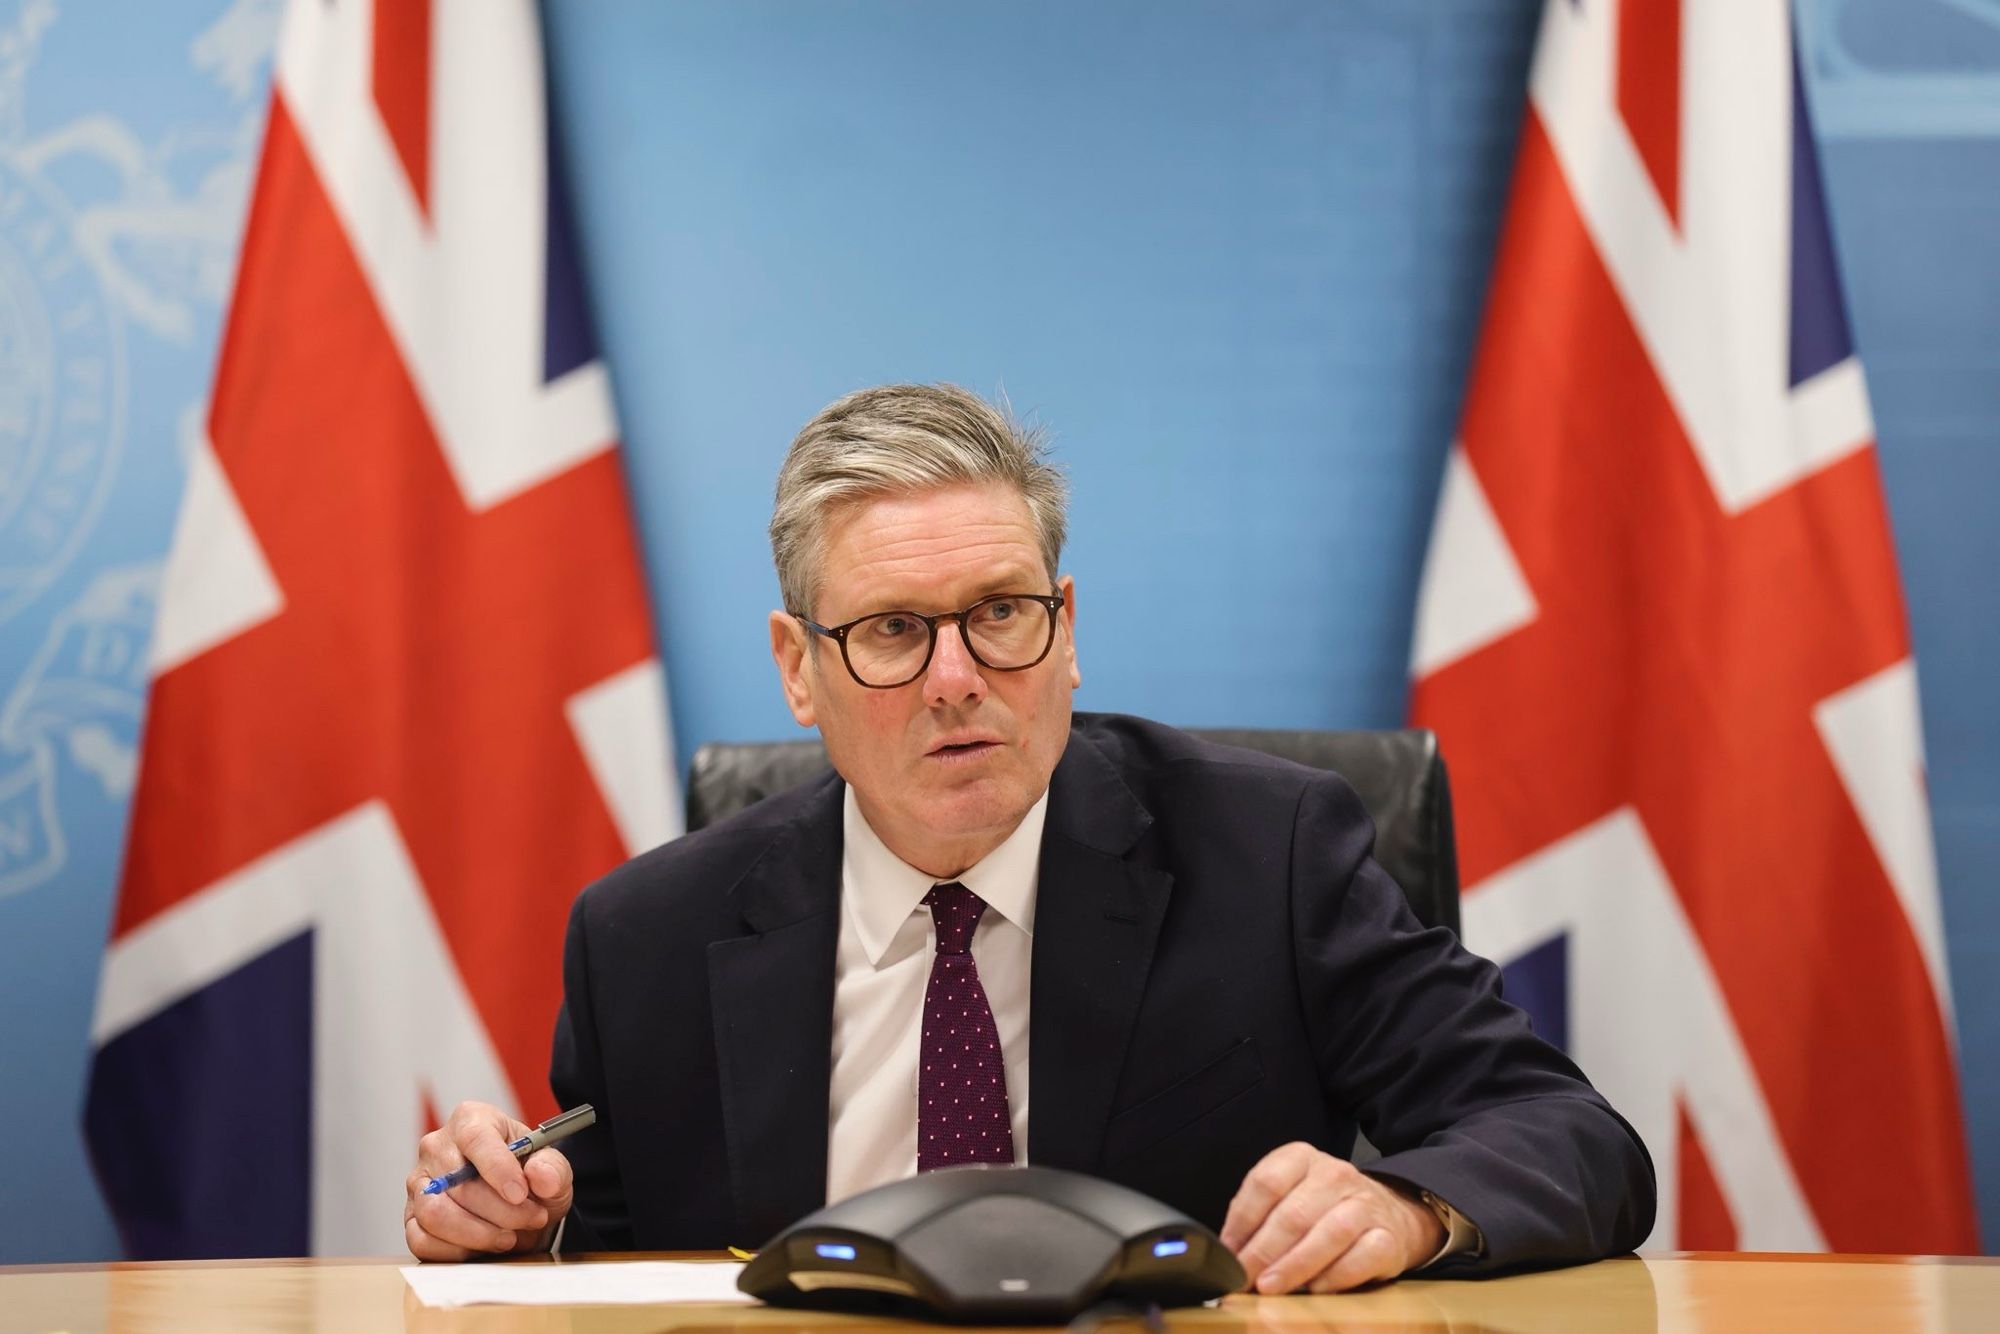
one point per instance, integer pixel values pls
(1232, 255)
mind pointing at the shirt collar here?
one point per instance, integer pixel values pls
(883, 889)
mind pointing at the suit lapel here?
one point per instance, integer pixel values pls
(772, 992)
(1097, 921)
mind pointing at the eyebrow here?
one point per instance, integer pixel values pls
(991, 588)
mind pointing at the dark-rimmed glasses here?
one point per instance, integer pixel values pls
(1007, 632)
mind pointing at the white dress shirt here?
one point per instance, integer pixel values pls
(881, 967)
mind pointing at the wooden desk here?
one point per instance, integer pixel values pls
(1708, 1294)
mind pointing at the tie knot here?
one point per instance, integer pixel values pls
(956, 911)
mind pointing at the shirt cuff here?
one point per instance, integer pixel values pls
(1461, 1234)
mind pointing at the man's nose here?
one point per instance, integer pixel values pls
(954, 674)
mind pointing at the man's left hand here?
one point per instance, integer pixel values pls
(1306, 1219)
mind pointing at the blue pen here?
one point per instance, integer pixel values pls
(547, 1133)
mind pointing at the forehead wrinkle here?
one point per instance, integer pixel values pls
(927, 551)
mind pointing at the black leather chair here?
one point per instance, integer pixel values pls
(1399, 776)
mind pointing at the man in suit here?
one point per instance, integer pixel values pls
(1183, 954)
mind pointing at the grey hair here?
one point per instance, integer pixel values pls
(898, 439)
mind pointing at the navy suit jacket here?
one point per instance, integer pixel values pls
(1219, 967)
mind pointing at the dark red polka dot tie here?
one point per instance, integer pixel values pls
(962, 1084)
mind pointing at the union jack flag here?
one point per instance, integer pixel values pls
(1662, 638)
(405, 699)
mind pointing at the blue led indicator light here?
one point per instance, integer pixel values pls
(829, 1250)
(1172, 1246)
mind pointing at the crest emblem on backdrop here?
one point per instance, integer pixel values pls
(62, 399)
(115, 241)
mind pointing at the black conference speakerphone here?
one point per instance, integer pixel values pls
(1000, 1245)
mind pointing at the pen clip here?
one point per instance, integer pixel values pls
(583, 1113)
(560, 1127)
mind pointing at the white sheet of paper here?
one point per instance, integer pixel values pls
(598, 1283)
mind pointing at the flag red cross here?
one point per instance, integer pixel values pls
(448, 708)
(1673, 667)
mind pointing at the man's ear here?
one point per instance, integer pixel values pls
(789, 651)
(1067, 587)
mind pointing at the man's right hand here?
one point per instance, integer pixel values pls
(512, 1209)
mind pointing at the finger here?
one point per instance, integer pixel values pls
(481, 1201)
(438, 1154)
(450, 1223)
(426, 1247)
(550, 1179)
(1290, 1221)
(1274, 1177)
(1326, 1181)
(1336, 1224)
(1374, 1257)
(480, 1142)
(478, 1198)
(441, 1147)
